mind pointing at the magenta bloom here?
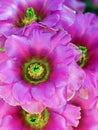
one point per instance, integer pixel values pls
(76, 5)
(36, 71)
(63, 119)
(82, 35)
(79, 116)
(17, 16)
(18, 119)
(15, 117)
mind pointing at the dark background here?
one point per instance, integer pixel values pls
(90, 7)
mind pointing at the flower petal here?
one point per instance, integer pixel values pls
(46, 93)
(56, 122)
(9, 73)
(21, 92)
(72, 115)
(17, 47)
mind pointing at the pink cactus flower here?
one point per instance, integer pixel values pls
(82, 35)
(17, 15)
(36, 72)
(18, 119)
(79, 114)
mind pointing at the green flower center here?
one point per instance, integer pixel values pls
(29, 17)
(36, 121)
(84, 58)
(1, 49)
(36, 71)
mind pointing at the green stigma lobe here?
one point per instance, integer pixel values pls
(83, 49)
(30, 12)
(83, 59)
(36, 121)
(36, 68)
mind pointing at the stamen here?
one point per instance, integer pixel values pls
(29, 17)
